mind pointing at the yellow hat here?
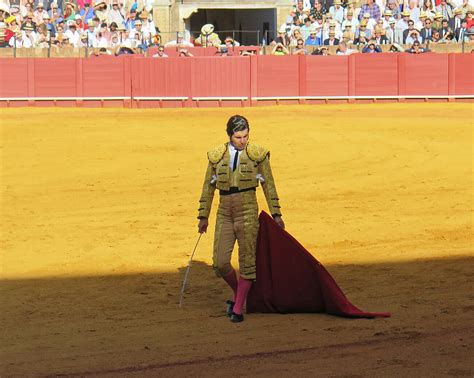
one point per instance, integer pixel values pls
(438, 15)
(405, 13)
(10, 19)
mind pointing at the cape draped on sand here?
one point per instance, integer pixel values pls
(290, 279)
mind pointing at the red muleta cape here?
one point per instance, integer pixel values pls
(290, 279)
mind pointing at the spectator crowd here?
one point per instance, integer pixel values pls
(77, 23)
(368, 24)
(352, 25)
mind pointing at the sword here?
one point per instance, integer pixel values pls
(187, 272)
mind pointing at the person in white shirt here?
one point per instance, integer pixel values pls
(179, 41)
(115, 14)
(337, 11)
(370, 21)
(29, 37)
(350, 19)
(414, 10)
(72, 34)
(160, 53)
(344, 50)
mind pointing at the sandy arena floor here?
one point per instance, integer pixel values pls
(99, 219)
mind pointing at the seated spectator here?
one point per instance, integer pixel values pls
(282, 37)
(294, 37)
(229, 42)
(314, 39)
(17, 40)
(379, 37)
(72, 34)
(438, 19)
(69, 11)
(323, 50)
(390, 32)
(436, 37)
(469, 20)
(445, 9)
(446, 33)
(461, 33)
(39, 13)
(370, 22)
(185, 53)
(371, 48)
(337, 11)
(115, 14)
(427, 32)
(160, 53)
(279, 49)
(207, 37)
(179, 41)
(100, 10)
(300, 49)
(417, 49)
(372, 9)
(55, 12)
(317, 12)
(87, 13)
(332, 40)
(305, 28)
(344, 50)
(396, 48)
(411, 34)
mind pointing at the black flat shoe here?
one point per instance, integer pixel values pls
(230, 307)
(236, 318)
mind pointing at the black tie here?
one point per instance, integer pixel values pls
(235, 160)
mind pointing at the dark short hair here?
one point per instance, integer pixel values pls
(237, 123)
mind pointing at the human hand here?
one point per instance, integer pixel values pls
(279, 221)
(202, 225)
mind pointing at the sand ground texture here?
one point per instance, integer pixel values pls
(98, 212)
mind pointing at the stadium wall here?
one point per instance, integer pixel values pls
(207, 81)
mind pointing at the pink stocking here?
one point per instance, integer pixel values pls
(242, 291)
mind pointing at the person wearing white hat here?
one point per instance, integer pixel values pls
(72, 33)
(350, 20)
(337, 11)
(390, 31)
(39, 13)
(179, 41)
(207, 37)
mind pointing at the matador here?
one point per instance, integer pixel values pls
(236, 169)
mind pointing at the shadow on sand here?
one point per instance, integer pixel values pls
(67, 325)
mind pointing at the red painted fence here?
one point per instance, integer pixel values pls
(213, 81)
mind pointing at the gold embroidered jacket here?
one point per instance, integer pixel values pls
(254, 167)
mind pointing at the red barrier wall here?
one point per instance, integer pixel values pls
(327, 77)
(14, 77)
(277, 76)
(256, 76)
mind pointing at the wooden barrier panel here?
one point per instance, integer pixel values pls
(161, 77)
(463, 73)
(14, 77)
(204, 78)
(375, 74)
(327, 75)
(423, 74)
(105, 76)
(223, 77)
(53, 77)
(277, 75)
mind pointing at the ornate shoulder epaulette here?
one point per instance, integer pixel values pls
(215, 155)
(256, 153)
